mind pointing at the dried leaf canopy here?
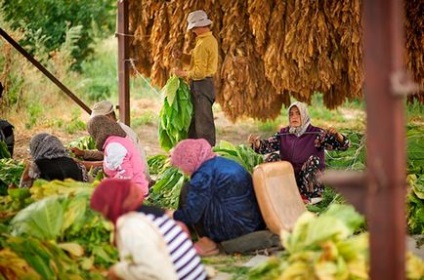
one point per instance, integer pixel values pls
(270, 50)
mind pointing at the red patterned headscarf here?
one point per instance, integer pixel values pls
(116, 197)
(190, 154)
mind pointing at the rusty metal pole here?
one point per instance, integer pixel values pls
(123, 58)
(383, 47)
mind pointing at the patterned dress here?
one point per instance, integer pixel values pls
(305, 153)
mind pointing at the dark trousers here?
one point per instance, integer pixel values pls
(202, 123)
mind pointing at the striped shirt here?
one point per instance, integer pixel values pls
(186, 261)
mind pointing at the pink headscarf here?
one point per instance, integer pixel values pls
(190, 154)
(116, 197)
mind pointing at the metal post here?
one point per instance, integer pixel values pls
(123, 58)
(383, 47)
(44, 70)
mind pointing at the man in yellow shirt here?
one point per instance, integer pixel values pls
(202, 65)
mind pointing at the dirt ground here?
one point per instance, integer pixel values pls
(147, 131)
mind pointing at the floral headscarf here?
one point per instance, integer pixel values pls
(190, 154)
(116, 197)
(304, 117)
(101, 127)
(46, 146)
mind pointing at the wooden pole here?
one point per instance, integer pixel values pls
(383, 47)
(123, 59)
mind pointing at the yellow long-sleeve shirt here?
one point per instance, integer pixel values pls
(204, 57)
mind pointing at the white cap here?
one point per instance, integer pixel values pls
(102, 108)
(198, 19)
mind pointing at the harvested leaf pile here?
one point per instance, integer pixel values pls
(269, 50)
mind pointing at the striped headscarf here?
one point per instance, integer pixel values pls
(46, 146)
(190, 154)
(304, 117)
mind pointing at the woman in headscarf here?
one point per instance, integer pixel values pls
(301, 144)
(151, 245)
(121, 158)
(51, 161)
(218, 201)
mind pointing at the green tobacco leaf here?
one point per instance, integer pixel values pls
(337, 223)
(346, 213)
(11, 171)
(35, 254)
(164, 140)
(226, 145)
(166, 191)
(73, 248)
(84, 143)
(418, 187)
(100, 252)
(225, 152)
(185, 107)
(156, 163)
(75, 211)
(4, 152)
(241, 154)
(163, 121)
(175, 115)
(171, 87)
(42, 219)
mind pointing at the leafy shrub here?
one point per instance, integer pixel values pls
(76, 124)
(49, 32)
(35, 111)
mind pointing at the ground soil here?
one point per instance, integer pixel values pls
(235, 133)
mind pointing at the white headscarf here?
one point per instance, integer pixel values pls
(304, 117)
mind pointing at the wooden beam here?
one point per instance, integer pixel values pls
(123, 59)
(386, 175)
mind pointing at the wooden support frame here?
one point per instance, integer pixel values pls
(123, 62)
(383, 47)
(380, 191)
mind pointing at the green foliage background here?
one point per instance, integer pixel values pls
(46, 22)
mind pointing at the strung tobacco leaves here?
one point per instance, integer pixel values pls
(270, 50)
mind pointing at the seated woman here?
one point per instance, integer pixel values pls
(151, 245)
(219, 201)
(51, 161)
(92, 157)
(301, 144)
(121, 158)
